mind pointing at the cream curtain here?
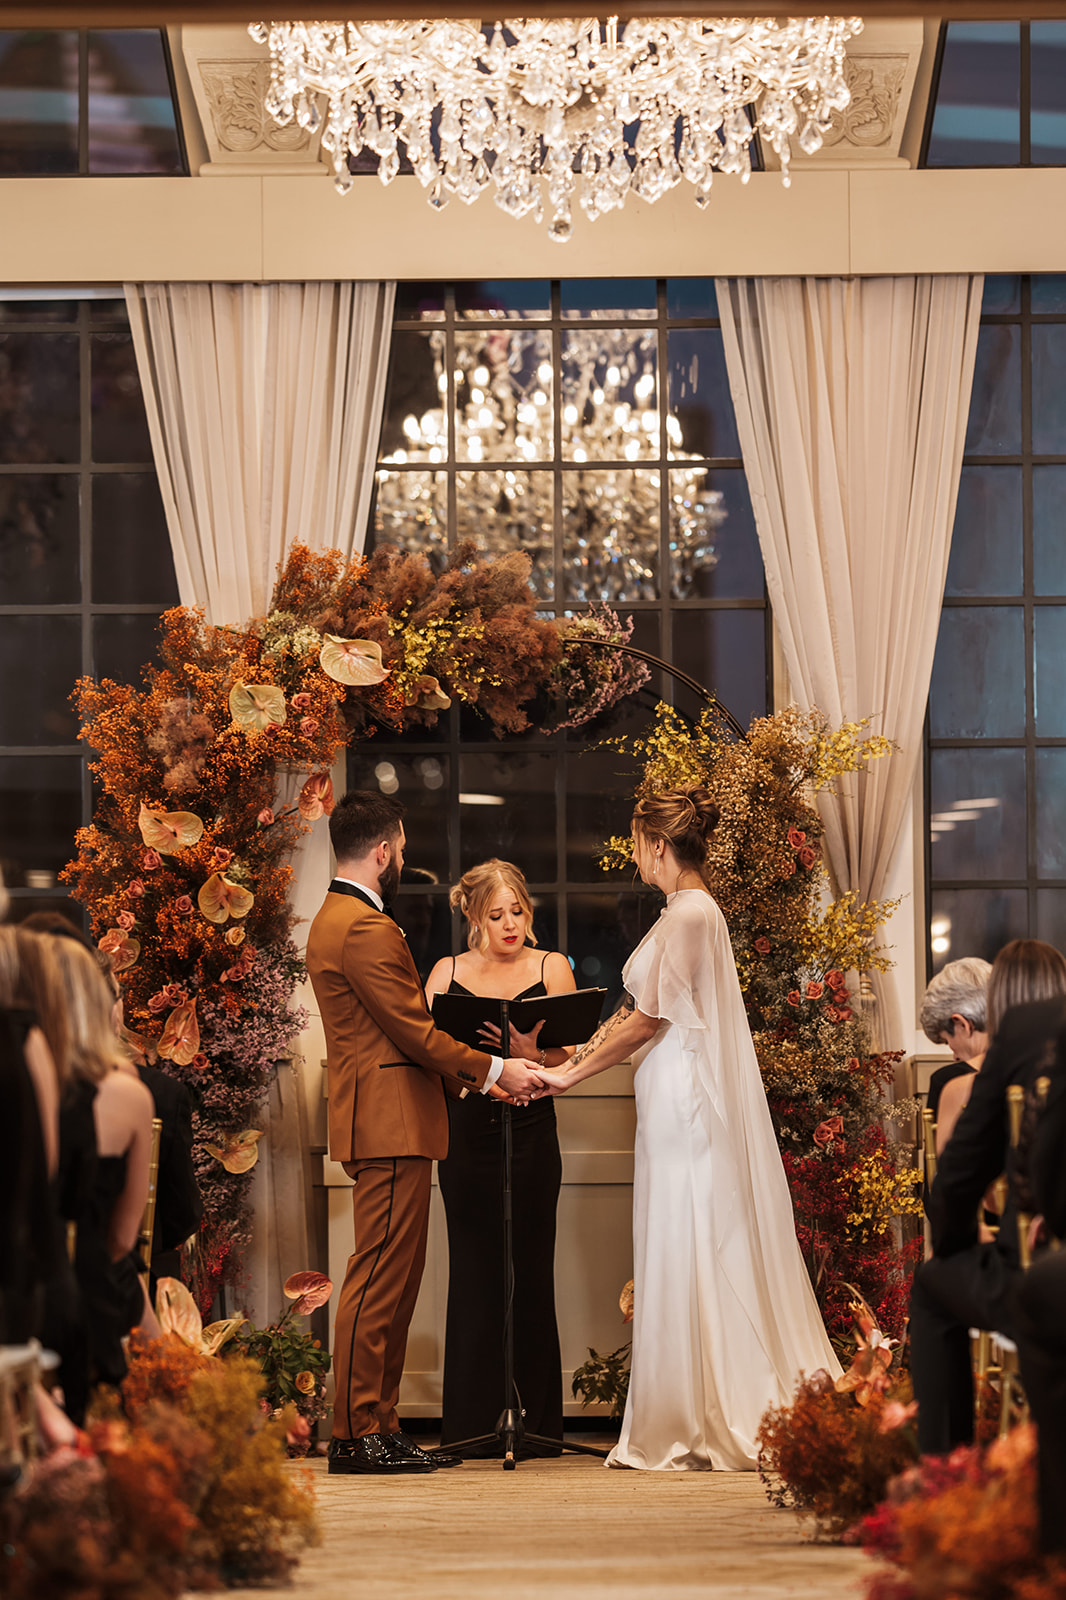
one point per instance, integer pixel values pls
(264, 406)
(851, 398)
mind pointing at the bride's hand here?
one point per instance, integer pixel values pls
(552, 1083)
(524, 1046)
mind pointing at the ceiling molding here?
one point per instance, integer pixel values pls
(136, 13)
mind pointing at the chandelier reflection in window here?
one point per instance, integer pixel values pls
(602, 455)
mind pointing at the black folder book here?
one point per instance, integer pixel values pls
(568, 1018)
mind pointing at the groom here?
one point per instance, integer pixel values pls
(389, 1070)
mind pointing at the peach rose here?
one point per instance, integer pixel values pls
(807, 857)
(199, 1062)
(221, 858)
(814, 991)
(308, 727)
(793, 997)
(158, 1002)
(796, 837)
(234, 935)
(126, 920)
(834, 978)
(301, 702)
(265, 817)
(183, 904)
(134, 889)
(832, 1128)
(763, 946)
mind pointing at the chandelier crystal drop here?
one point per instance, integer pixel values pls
(543, 110)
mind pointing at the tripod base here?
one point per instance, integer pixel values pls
(511, 1436)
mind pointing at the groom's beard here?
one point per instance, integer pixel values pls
(389, 881)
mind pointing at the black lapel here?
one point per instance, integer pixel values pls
(337, 887)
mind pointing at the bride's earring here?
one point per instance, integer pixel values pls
(658, 864)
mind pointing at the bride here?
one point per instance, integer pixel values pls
(725, 1319)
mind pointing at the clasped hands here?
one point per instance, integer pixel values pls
(522, 1078)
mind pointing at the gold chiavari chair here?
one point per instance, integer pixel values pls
(929, 1145)
(144, 1239)
(20, 1370)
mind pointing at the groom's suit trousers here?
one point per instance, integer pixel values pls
(390, 1203)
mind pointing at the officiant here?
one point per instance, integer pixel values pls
(502, 962)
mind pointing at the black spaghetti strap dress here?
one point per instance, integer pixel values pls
(471, 1181)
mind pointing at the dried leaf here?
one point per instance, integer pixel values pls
(309, 1289)
(169, 831)
(316, 797)
(219, 899)
(181, 1035)
(354, 661)
(255, 706)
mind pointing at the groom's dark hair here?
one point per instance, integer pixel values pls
(361, 820)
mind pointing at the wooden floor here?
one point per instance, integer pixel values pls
(564, 1528)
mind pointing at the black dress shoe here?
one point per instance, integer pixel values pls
(406, 1446)
(373, 1454)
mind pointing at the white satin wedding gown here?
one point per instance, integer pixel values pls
(725, 1318)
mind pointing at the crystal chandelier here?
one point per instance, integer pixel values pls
(607, 109)
(609, 513)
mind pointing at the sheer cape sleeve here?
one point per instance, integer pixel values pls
(671, 972)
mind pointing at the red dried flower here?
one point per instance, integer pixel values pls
(807, 857)
(763, 946)
(793, 997)
(796, 837)
(834, 978)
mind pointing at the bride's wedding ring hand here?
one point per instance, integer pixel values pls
(550, 1083)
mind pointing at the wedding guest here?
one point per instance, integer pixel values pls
(1024, 970)
(954, 1012)
(971, 1281)
(108, 1099)
(502, 961)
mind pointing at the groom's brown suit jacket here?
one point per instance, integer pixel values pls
(388, 1065)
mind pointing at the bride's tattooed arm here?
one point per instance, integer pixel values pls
(604, 1031)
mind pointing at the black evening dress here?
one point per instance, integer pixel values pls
(471, 1183)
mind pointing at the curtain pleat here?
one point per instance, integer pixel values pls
(264, 406)
(851, 398)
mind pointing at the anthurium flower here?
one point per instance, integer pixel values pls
(177, 1312)
(254, 706)
(316, 797)
(354, 661)
(168, 831)
(427, 694)
(181, 1035)
(220, 899)
(241, 1154)
(123, 950)
(309, 1289)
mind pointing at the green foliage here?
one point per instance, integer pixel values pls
(604, 1379)
(293, 1365)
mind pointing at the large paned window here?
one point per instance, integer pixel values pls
(997, 704)
(588, 423)
(999, 96)
(85, 563)
(76, 101)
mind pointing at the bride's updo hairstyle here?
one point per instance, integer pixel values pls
(684, 819)
(477, 889)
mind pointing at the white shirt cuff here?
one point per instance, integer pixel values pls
(494, 1073)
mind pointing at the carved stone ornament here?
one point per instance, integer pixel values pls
(876, 84)
(235, 92)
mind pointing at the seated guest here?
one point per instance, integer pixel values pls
(1041, 1309)
(954, 1011)
(1024, 970)
(502, 962)
(970, 1282)
(108, 1099)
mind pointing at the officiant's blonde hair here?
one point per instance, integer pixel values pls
(475, 891)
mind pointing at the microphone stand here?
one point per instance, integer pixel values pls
(510, 1428)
